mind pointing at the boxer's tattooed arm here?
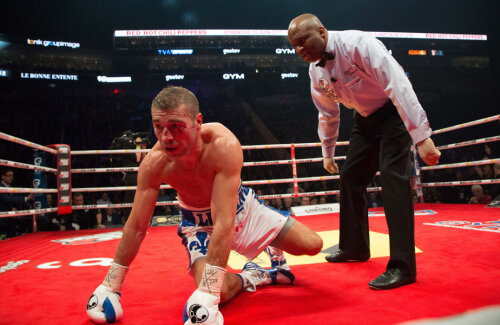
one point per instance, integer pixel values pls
(111, 276)
(212, 279)
(114, 278)
(209, 280)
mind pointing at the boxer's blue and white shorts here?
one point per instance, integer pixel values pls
(256, 226)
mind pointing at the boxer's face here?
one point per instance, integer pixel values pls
(176, 129)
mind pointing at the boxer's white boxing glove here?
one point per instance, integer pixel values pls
(203, 308)
(203, 305)
(104, 305)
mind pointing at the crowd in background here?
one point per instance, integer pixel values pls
(86, 119)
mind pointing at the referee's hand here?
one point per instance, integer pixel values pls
(330, 165)
(428, 152)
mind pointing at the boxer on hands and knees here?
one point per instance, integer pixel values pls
(203, 162)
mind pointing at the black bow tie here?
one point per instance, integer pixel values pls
(326, 57)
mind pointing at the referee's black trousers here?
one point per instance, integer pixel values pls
(379, 141)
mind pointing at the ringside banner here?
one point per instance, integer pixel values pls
(276, 32)
(46, 43)
(309, 210)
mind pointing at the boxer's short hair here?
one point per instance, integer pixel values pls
(173, 97)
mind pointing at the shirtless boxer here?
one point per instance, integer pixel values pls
(203, 163)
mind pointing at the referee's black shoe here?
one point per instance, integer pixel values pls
(390, 279)
(343, 256)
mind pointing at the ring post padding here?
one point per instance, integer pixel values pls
(63, 178)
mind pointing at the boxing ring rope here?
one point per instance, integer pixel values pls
(26, 190)
(461, 183)
(293, 161)
(26, 166)
(252, 163)
(19, 213)
(463, 164)
(245, 164)
(468, 143)
(26, 143)
(34, 212)
(464, 125)
(107, 152)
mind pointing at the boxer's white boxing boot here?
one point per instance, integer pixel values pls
(254, 275)
(277, 257)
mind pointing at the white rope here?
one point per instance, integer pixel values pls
(268, 181)
(164, 186)
(246, 164)
(104, 189)
(115, 188)
(290, 180)
(4, 214)
(264, 146)
(318, 144)
(267, 163)
(462, 183)
(105, 170)
(468, 143)
(263, 197)
(30, 144)
(267, 146)
(118, 205)
(108, 152)
(463, 164)
(319, 193)
(78, 207)
(26, 166)
(464, 125)
(287, 161)
(26, 190)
